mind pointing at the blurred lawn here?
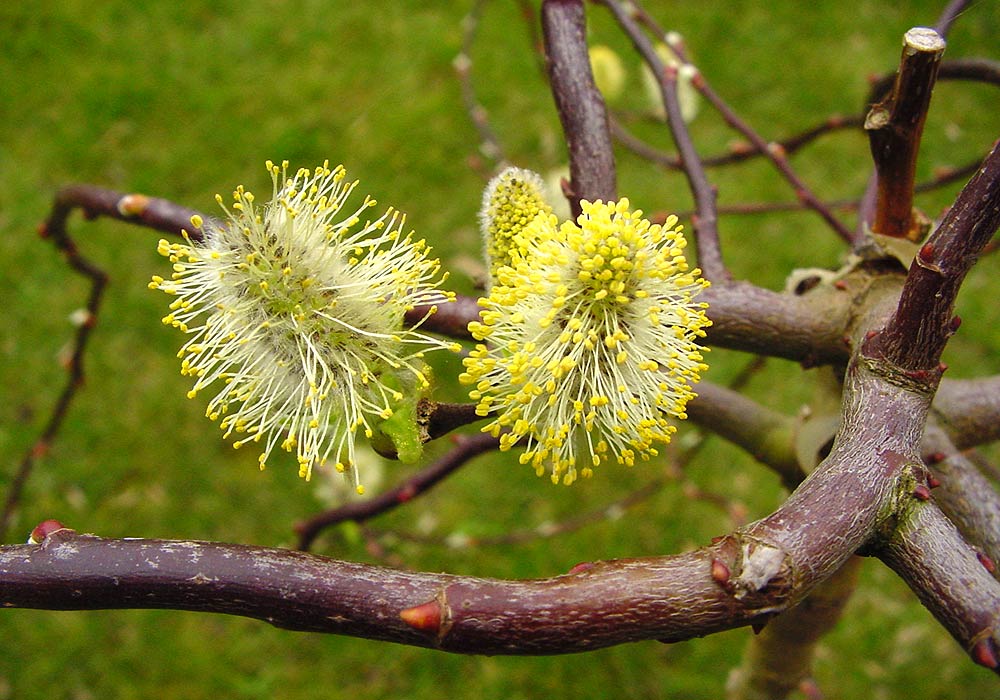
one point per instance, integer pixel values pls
(184, 100)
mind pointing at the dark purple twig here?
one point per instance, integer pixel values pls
(150, 212)
(738, 152)
(465, 449)
(705, 221)
(949, 14)
(489, 143)
(580, 104)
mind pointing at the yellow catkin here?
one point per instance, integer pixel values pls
(589, 340)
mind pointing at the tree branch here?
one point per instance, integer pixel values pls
(970, 410)
(148, 212)
(965, 495)
(766, 434)
(706, 221)
(895, 126)
(918, 331)
(580, 104)
(929, 554)
(741, 579)
(360, 511)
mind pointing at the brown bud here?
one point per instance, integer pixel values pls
(720, 572)
(984, 653)
(986, 562)
(425, 617)
(43, 530)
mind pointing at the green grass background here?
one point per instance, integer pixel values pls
(183, 100)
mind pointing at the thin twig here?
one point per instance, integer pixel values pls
(150, 212)
(771, 150)
(949, 14)
(706, 220)
(465, 449)
(489, 142)
(738, 152)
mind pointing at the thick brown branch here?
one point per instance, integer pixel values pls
(917, 333)
(809, 329)
(597, 605)
(965, 495)
(741, 579)
(970, 410)
(894, 128)
(946, 574)
(581, 107)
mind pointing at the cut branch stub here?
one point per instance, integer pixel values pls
(894, 129)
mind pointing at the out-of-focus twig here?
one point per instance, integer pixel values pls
(150, 212)
(705, 220)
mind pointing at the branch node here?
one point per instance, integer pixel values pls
(761, 563)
